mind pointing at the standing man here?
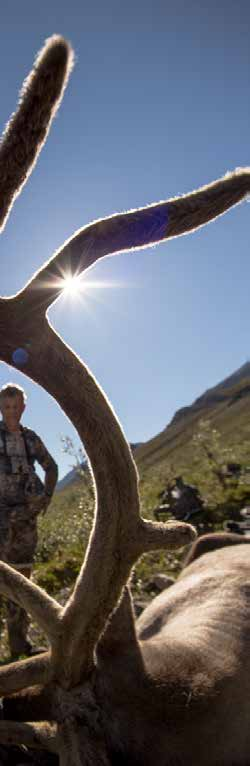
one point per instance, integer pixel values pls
(22, 497)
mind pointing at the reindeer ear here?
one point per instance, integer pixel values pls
(27, 129)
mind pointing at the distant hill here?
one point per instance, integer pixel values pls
(64, 532)
(73, 476)
(226, 405)
(70, 478)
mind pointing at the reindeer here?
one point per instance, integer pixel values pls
(212, 542)
(175, 689)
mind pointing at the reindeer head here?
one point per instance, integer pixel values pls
(90, 622)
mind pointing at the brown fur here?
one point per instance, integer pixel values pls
(179, 685)
(212, 542)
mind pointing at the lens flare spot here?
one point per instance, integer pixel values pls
(20, 357)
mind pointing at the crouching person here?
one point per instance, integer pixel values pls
(22, 497)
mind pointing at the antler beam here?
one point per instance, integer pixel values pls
(35, 735)
(45, 610)
(134, 230)
(114, 542)
(19, 675)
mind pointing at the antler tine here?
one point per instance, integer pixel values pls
(27, 129)
(35, 735)
(45, 610)
(30, 672)
(153, 536)
(61, 739)
(134, 230)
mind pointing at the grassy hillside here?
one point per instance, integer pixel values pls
(228, 411)
(219, 421)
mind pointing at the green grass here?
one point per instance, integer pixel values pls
(64, 531)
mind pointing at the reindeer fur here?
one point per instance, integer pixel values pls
(212, 542)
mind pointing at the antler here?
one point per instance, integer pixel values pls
(30, 672)
(134, 230)
(28, 128)
(119, 535)
(35, 600)
(36, 735)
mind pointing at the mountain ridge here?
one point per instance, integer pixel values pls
(226, 405)
(216, 393)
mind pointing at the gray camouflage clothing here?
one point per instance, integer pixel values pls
(18, 519)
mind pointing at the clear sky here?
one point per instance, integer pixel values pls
(157, 105)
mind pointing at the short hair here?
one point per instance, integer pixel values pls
(11, 390)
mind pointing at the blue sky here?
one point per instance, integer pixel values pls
(157, 105)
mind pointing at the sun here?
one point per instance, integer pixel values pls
(71, 286)
(73, 289)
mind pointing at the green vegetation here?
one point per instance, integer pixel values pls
(227, 408)
(199, 444)
(63, 536)
(64, 531)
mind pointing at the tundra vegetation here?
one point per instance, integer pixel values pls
(176, 689)
(63, 536)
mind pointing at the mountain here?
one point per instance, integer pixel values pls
(229, 390)
(226, 406)
(70, 478)
(74, 475)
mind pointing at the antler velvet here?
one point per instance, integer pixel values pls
(28, 128)
(134, 230)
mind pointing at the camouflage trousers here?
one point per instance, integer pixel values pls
(18, 540)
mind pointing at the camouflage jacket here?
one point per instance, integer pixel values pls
(18, 454)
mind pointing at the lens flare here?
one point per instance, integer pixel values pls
(71, 285)
(20, 357)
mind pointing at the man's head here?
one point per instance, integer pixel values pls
(12, 404)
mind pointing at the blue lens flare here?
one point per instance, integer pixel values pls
(20, 357)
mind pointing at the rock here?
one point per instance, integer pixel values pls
(159, 582)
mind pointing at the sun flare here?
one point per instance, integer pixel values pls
(71, 286)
